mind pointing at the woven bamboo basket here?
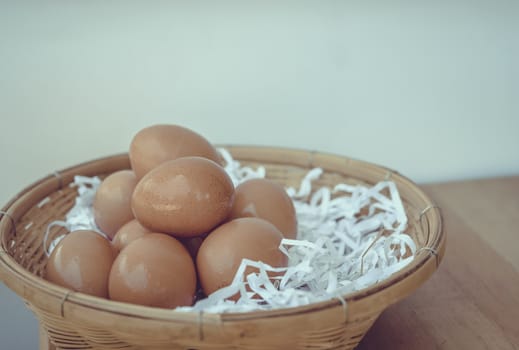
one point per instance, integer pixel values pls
(78, 321)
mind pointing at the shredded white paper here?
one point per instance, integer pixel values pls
(80, 216)
(339, 248)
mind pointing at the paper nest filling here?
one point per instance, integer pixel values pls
(349, 238)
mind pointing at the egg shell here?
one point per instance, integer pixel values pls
(129, 232)
(184, 197)
(222, 251)
(82, 261)
(268, 200)
(159, 143)
(154, 270)
(112, 202)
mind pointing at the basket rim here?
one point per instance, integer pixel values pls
(10, 266)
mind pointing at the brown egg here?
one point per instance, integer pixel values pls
(184, 197)
(129, 232)
(112, 202)
(222, 251)
(159, 143)
(267, 200)
(154, 270)
(82, 261)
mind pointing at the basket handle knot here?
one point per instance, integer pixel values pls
(344, 306)
(423, 214)
(426, 209)
(4, 213)
(432, 251)
(310, 160)
(62, 303)
(60, 179)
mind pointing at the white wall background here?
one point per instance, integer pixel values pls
(430, 88)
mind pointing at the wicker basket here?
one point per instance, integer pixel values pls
(77, 321)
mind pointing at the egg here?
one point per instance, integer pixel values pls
(184, 197)
(267, 200)
(159, 143)
(112, 201)
(222, 251)
(129, 232)
(154, 270)
(82, 261)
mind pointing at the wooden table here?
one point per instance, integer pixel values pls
(472, 301)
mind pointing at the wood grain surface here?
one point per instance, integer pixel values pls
(472, 301)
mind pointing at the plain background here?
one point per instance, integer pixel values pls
(429, 88)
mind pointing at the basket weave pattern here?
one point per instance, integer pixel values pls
(78, 321)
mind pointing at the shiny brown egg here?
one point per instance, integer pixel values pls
(129, 232)
(112, 202)
(184, 197)
(266, 200)
(222, 251)
(154, 270)
(159, 143)
(82, 261)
